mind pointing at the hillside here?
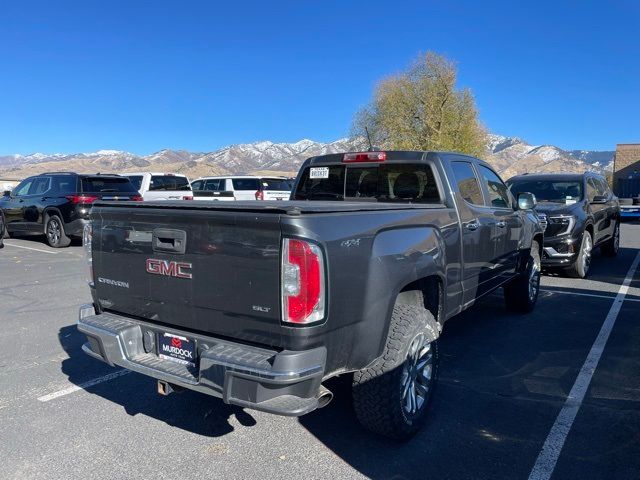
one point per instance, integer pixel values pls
(509, 155)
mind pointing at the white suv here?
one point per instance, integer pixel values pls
(161, 186)
(242, 187)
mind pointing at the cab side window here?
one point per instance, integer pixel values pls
(196, 185)
(23, 188)
(467, 183)
(592, 189)
(40, 185)
(499, 196)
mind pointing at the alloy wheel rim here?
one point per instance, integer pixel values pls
(586, 253)
(54, 231)
(534, 280)
(417, 375)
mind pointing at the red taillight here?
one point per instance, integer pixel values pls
(75, 199)
(259, 195)
(303, 290)
(187, 197)
(365, 157)
(136, 198)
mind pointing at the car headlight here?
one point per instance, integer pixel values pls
(565, 221)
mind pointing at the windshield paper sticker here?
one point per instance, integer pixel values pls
(319, 172)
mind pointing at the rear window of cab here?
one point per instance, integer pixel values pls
(400, 182)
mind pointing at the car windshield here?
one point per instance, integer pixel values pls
(556, 191)
(107, 184)
(400, 182)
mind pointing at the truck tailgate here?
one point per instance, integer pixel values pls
(212, 272)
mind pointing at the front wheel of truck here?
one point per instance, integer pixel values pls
(521, 293)
(391, 396)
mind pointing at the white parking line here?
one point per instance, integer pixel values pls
(82, 386)
(548, 457)
(610, 297)
(30, 248)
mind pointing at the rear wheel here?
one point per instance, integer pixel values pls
(580, 267)
(392, 395)
(54, 231)
(521, 294)
(610, 247)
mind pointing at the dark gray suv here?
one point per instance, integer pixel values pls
(582, 214)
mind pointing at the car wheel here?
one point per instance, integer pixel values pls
(521, 294)
(580, 267)
(54, 231)
(391, 396)
(610, 247)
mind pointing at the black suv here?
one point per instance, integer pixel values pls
(582, 214)
(58, 204)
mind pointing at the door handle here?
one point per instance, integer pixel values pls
(472, 226)
(501, 224)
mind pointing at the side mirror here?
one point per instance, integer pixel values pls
(526, 201)
(599, 199)
(6, 193)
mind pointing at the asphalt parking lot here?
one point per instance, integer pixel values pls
(504, 380)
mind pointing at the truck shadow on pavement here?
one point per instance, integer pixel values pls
(187, 410)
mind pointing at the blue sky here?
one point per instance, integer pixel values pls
(141, 76)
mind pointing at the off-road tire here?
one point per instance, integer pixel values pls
(610, 247)
(377, 389)
(521, 293)
(58, 239)
(580, 268)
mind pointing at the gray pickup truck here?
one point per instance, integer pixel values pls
(260, 302)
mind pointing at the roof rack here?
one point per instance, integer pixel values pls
(58, 173)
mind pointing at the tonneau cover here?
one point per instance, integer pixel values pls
(282, 207)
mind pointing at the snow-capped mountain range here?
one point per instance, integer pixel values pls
(509, 155)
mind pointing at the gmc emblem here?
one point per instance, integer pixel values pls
(169, 268)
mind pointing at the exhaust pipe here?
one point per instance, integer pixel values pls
(165, 388)
(324, 396)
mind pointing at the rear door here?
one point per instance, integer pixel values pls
(33, 204)
(506, 220)
(210, 271)
(478, 234)
(275, 188)
(168, 187)
(246, 188)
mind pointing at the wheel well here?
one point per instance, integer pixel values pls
(589, 228)
(48, 213)
(540, 240)
(430, 294)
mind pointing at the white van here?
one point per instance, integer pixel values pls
(241, 187)
(161, 186)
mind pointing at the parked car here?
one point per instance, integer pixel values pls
(582, 214)
(58, 204)
(357, 275)
(161, 186)
(241, 187)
